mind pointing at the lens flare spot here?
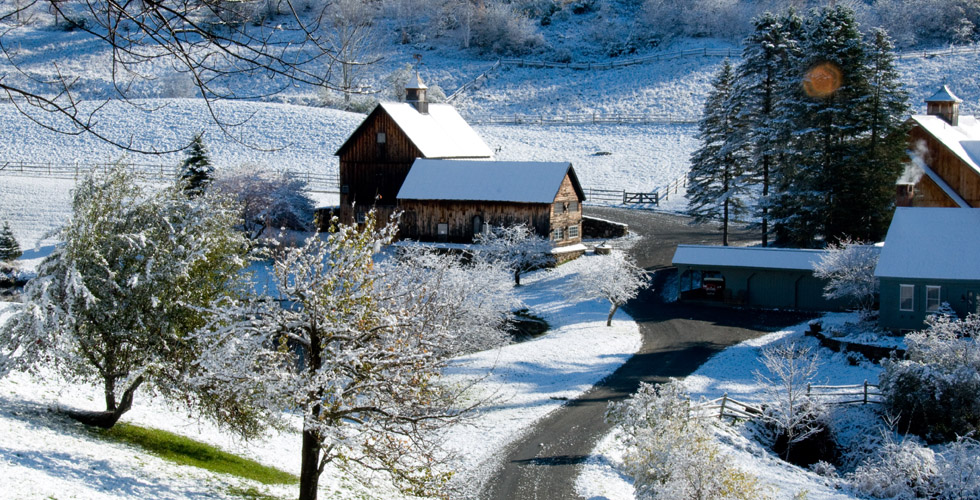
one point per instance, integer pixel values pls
(822, 80)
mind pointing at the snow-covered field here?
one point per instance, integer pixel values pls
(43, 455)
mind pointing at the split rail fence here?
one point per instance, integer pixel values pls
(316, 183)
(726, 406)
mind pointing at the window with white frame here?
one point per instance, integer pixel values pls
(558, 234)
(933, 298)
(573, 231)
(906, 297)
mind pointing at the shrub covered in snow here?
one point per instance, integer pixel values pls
(849, 268)
(937, 389)
(907, 469)
(670, 452)
(268, 200)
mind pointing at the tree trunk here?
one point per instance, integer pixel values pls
(108, 418)
(517, 277)
(612, 311)
(309, 475)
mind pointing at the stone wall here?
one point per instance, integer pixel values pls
(600, 228)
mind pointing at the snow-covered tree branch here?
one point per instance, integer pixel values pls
(356, 342)
(114, 303)
(849, 268)
(517, 248)
(614, 277)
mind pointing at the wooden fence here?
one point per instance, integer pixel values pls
(707, 52)
(472, 83)
(580, 119)
(316, 183)
(726, 406)
(622, 63)
(618, 196)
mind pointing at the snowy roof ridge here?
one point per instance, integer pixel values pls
(931, 243)
(800, 259)
(440, 133)
(483, 180)
(959, 139)
(944, 95)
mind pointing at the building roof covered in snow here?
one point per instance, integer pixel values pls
(932, 243)
(944, 95)
(963, 139)
(506, 181)
(754, 257)
(439, 133)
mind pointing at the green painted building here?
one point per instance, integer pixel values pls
(930, 256)
(772, 278)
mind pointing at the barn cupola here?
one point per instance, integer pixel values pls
(945, 105)
(415, 94)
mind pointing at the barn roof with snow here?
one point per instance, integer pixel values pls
(749, 257)
(963, 139)
(439, 133)
(502, 181)
(932, 243)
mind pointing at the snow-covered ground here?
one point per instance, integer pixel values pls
(44, 455)
(732, 371)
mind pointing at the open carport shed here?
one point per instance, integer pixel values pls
(776, 278)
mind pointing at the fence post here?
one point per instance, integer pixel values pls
(624, 197)
(721, 412)
(865, 392)
(807, 389)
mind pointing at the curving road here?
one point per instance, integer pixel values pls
(677, 339)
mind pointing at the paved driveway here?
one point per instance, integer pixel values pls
(677, 339)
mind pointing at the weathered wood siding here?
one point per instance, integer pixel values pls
(372, 173)
(963, 179)
(421, 218)
(566, 212)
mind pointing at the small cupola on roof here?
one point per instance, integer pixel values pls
(415, 94)
(945, 105)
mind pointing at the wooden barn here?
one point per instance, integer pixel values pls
(452, 201)
(376, 158)
(945, 147)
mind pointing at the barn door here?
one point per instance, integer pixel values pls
(477, 225)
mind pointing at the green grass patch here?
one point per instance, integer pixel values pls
(186, 451)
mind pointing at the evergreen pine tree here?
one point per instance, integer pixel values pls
(9, 249)
(821, 182)
(196, 172)
(884, 149)
(717, 185)
(766, 60)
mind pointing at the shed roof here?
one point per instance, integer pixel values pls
(962, 140)
(508, 181)
(440, 133)
(751, 257)
(932, 243)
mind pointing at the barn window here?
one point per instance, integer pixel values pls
(558, 234)
(442, 229)
(573, 231)
(559, 207)
(382, 138)
(361, 218)
(906, 297)
(932, 298)
(573, 206)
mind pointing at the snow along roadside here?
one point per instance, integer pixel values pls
(527, 381)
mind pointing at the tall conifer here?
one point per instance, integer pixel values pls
(717, 184)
